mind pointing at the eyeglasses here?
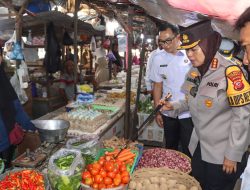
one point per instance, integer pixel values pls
(167, 41)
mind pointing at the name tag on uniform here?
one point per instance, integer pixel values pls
(163, 65)
(212, 84)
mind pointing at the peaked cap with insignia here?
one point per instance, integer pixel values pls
(192, 35)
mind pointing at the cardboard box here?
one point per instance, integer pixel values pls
(152, 132)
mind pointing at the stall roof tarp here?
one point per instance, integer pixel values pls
(58, 18)
(184, 13)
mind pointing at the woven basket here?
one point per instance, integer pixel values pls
(169, 174)
(181, 155)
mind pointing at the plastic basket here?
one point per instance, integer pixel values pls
(103, 150)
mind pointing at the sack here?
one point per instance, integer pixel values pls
(16, 135)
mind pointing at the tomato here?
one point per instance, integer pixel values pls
(118, 176)
(111, 174)
(103, 173)
(117, 181)
(86, 174)
(97, 166)
(94, 171)
(101, 186)
(89, 167)
(124, 173)
(98, 178)
(116, 170)
(101, 162)
(125, 179)
(123, 168)
(109, 166)
(88, 181)
(107, 181)
(95, 185)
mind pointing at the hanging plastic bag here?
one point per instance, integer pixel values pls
(16, 53)
(23, 75)
(9, 44)
(22, 96)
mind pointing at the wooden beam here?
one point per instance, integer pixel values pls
(75, 38)
(127, 129)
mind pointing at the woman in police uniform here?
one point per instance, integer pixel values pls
(218, 98)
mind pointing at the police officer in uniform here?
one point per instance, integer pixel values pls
(168, 72)
(218, 97)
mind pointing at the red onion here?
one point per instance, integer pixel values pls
(159, 157)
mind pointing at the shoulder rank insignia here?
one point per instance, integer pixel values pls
(238, 89)
(214, 64)
(236, 61)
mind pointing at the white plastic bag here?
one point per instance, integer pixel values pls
(65, 178)
(10, 42)
(23, 98)
(245, 185)
(23, 75)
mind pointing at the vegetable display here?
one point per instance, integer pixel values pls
(159, 157)
(24, 179)
(111, 170)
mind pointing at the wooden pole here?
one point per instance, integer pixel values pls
(142, 57)
(127, 129)
(75, 38)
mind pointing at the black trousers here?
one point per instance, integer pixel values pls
(7, 155)
(211, 176)
(178, 131)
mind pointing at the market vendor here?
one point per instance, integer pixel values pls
(102, 71)
(218, 100)
(67, 82)
(12, 118)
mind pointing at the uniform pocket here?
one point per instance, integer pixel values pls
(207, 97)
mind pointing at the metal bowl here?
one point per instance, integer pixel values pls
(52, 131)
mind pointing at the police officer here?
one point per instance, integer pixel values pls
(218, 98)
(169, 68)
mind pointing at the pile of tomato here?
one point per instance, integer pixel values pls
(106, 173)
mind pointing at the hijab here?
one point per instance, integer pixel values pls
(209, 46)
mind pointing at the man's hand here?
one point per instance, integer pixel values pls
(159, 120)
(229, 166)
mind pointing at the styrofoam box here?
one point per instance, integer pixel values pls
(152, 132)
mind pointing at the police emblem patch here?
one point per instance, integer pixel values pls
(238, 89)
